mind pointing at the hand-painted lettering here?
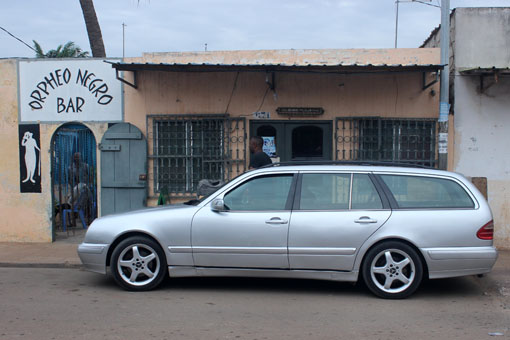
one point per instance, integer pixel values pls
(35, 105)
(60, 77)
(67, 76)
(73, 105)
(51, 81)
(37, 96)
(43, 87)
(105, 99)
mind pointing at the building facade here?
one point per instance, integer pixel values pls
(479, 87)
(308, 105)
(183, 117)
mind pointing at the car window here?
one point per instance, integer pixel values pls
(325, 191)
(427, 192)
(364, 194)
(261, 193)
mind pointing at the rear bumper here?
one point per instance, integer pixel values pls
(93, 256)
(459, 261)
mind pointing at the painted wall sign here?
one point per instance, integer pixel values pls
(69, 90)
(269, 146)
(300, 111)
(261, 115)
(30, 158)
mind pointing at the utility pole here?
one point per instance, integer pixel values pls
(444, 106)
(396, 24)
(123, 40)
(397, 2)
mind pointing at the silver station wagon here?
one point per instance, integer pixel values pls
(389, 226)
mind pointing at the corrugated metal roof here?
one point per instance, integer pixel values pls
(324, 60)
(485, 70)
(304, 57)
(205, 67)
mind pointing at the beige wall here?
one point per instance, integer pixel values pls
(26, 217)
(386, 95)
(398, 95)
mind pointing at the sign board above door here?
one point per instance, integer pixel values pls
(300, 111)
(63, 90)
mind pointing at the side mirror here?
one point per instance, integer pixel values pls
(218, 205)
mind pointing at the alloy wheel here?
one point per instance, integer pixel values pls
(138, 264)
(392, 271)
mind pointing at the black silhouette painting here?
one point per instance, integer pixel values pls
(30, 158)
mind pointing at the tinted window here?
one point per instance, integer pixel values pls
(325, 191)
(261, 193)
(364, 194)
(427, 192)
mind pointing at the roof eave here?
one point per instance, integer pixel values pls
(274, 67)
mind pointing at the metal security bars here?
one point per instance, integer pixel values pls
(188, 148)
(73, 175)
(386, 139)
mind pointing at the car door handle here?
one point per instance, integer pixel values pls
(365, 219)
(276, 220)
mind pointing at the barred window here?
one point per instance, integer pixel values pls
(381, 139)
(188, 148)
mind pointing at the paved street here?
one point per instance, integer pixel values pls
(58, 303)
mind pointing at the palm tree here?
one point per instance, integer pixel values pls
(93, 29)
(69, 50)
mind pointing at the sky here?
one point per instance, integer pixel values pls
(187, 25)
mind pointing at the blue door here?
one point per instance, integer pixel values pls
(123, 169)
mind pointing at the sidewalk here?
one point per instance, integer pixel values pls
(39, 255)
(60, 254)
(63, 254)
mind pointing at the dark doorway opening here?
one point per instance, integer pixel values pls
(73, 176)
(297, 140)
(307, 142)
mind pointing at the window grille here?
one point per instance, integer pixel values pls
(188, 148)
(386, 139)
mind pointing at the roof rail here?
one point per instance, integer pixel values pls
(360, 163)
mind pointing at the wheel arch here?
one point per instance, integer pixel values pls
(396, 239)
(129, 234)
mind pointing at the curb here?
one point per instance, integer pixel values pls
(65, 265)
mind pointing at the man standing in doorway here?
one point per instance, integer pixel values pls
(258, 157)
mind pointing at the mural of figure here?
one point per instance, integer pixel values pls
(30, 145)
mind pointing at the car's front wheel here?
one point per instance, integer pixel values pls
(138, 264)
(392, 270)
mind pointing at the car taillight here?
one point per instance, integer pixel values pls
(486, 232)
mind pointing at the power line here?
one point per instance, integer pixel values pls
(15, 37)
(426, 3)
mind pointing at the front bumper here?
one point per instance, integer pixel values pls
(93, 256)
(459, 261)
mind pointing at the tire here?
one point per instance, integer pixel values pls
(392, 270)
(138, 264)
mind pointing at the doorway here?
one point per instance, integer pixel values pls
(296, 140)
(123, 169)
(73, 177)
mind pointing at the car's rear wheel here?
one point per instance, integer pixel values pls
(138, 264)
(392, 270)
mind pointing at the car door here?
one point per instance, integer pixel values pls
(252, 232)
(333, 215)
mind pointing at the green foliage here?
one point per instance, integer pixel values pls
(69, 50)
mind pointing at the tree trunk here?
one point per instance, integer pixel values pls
(93, 29)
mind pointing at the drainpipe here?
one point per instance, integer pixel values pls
(444, 106)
